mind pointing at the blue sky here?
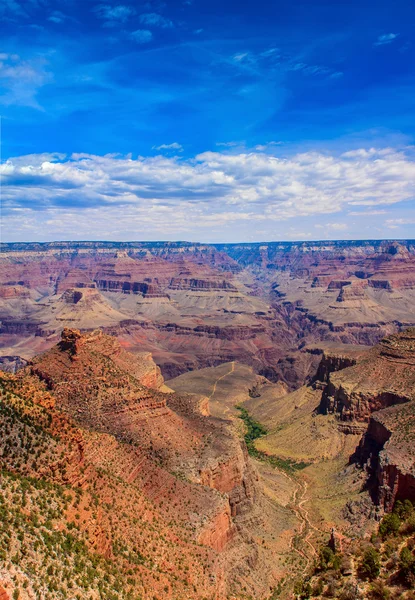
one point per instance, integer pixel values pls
(207, 120)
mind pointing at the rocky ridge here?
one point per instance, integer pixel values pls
(376, 395)
(108, 421)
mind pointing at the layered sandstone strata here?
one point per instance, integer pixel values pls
(114, 431)
(198, 305)
(378, 391)
(383, 377)
(105, 388)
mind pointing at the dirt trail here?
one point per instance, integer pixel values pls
(221, 377)
(306, 526)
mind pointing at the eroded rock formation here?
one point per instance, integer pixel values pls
(111, 416)
(378, 391)
(195, 305)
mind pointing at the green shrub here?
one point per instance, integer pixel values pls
(407, 566)
(403, 509)
(302, 590)
(326, 557)
(389, 525)
(370, 563)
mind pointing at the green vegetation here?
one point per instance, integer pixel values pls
(382, 569)
(389, 525)
(370, 563)
(255, 430)
(54, 564)
(329, 559)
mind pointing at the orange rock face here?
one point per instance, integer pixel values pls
(382, 377)
(181, 476)
(3, 594)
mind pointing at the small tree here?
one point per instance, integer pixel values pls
(370, 564)
(302, 590)
(326, 557)
(389, 525)
(410, 524)
(407, 566)
(403, 509)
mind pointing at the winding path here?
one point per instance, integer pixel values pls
(306, 527)
(222, 377)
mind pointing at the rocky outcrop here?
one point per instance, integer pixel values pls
(106, 389)
(384, 376)
(218, 532)
(11, 291)
(232, 476)
(22, 327)
(387, 451)
(183, 283)
(148, 290)
(376, 397)
(333, 361)
(11, 364)
(3, 594)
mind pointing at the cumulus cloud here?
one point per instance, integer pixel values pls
(386, 38)
(212, 192)
(155, 20)
(173, 146)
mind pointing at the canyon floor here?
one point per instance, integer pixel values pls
(311, 478)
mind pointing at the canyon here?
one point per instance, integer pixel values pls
(202, 416)
(272, 306)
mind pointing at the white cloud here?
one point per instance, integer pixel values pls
(168, 195)
(273, 59)
(141, 36)
(58, 17)
(114, 15)
(358, 213)
(334, 226)
(396, 223)
(267, 146)
(155, 20)
(22, 79)
(241, 56)
(173, 146)
(229, 144)
(386, 38)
